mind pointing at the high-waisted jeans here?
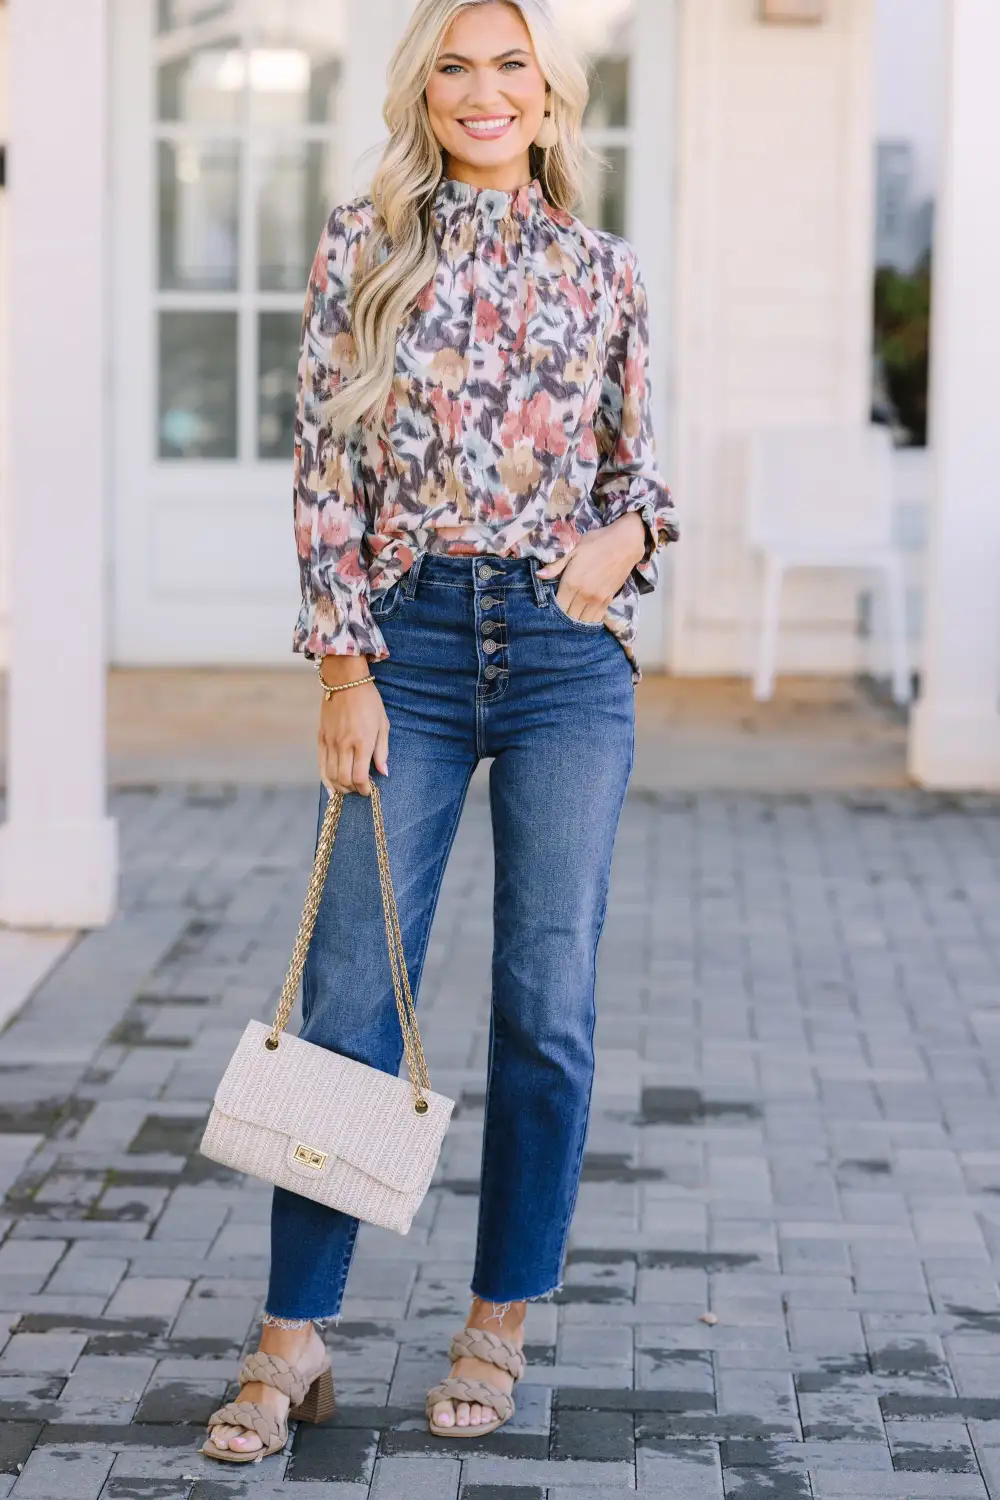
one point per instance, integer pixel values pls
(483, 663)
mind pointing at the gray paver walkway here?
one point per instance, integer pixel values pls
(795, 1130)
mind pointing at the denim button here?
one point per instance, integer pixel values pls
(487, 601)
(488, 626)
(490, 646)
(486, 574)
(491, 672)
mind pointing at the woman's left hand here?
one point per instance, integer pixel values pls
(592, 574)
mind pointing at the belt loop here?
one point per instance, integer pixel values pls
(538, 584)
(413, 575)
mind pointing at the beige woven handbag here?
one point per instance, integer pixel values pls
(322, 1125)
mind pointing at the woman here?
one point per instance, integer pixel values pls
(477, 510)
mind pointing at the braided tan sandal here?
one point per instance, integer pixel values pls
(477, 1343)
(308, 1387)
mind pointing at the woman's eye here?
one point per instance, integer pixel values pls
(513, 63)
(452, 68)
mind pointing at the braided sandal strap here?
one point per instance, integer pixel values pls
(479, 1343)
(253, 1418)
(456, 1389)
(272, 1370)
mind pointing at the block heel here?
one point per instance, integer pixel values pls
(318, 1404)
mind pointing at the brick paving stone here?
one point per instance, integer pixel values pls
(63, 1474)
(795, 1127)
(416, 1479)
(41, 1353)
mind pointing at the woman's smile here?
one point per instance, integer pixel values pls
(487, 128)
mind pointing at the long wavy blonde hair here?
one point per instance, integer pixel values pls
(400, 255)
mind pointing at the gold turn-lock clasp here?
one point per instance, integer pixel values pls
(307, 1156)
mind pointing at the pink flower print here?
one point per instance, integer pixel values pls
(629, 279)
(502, 508)
(587, 448)
(303, 527)
(334, 525)
(448, 413)
(576, 295)
(488, 321)
(515, 427)
(589, 409)
(635, 377)
(566, 534)
(428, 298)
(350, 565)
(546, 434)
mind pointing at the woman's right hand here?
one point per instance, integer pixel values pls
(353, 729)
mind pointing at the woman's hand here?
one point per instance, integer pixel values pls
(592, 574)
(353, 729)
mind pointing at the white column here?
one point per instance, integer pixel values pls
(58, 851)
(955, 742)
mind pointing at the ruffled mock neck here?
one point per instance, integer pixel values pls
(455, 200)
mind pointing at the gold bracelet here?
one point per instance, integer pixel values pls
(341, 687)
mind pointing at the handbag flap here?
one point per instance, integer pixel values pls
(335, 1106)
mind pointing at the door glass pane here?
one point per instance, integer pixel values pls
(197, 385)
(298, 188)
(604, 192)
(173, 14)
(276, 373)
(608, 107)
(203, 85)
(199, 216)
(296, 61)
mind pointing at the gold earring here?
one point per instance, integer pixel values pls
(548, 134)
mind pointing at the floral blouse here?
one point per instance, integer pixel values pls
(519, 416)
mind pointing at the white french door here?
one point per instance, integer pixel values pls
(227, 141)
(237, 124)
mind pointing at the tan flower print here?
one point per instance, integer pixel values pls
(344, 350)
(563, 499)
(451, 369)
(519, 469)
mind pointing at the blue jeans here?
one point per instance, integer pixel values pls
(483, 663)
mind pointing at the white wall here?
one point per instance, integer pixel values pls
(773, 298)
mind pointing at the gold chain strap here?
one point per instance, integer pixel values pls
(414, 1052)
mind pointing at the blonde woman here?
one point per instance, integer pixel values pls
(477, 509)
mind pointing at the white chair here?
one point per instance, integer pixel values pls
(822, 498)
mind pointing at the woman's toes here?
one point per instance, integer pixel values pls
(462, 1414)
(486, 1415)
(444, 1416)
(246, 1442)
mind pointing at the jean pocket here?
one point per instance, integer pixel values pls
(560, 614)
(388, 603)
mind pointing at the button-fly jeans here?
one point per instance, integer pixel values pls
(483, 663)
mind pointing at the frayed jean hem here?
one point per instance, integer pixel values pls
(502, 1306)
(271, 1320)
